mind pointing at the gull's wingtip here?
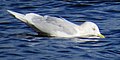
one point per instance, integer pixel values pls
(8, 10)
(17, 15)
(13, 13)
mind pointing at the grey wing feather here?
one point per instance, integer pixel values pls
(51, 25)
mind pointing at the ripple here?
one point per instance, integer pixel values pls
(19, 42)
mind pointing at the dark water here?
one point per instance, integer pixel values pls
(19, 42)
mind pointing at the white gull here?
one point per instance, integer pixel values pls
(58, 27)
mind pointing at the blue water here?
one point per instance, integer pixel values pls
(20, 42)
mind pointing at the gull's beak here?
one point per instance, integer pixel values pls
(101, 36)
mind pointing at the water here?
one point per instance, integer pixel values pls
(20, 42)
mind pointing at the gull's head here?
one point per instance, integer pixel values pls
(90, 29)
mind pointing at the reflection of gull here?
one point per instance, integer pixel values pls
(84, 40)
(59, 27)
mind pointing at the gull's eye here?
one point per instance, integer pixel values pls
(93, 28)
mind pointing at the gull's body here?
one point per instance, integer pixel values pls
(58, 27)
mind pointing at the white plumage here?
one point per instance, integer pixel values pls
(58, 27)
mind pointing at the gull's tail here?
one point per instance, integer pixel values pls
(18, 15)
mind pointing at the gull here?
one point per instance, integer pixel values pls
(58, 27)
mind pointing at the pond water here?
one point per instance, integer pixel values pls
(20, 42)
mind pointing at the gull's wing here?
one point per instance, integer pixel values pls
(52, 25)
(47, 24)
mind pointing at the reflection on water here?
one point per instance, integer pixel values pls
(20, 42)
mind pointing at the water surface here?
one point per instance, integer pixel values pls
(20, 42)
